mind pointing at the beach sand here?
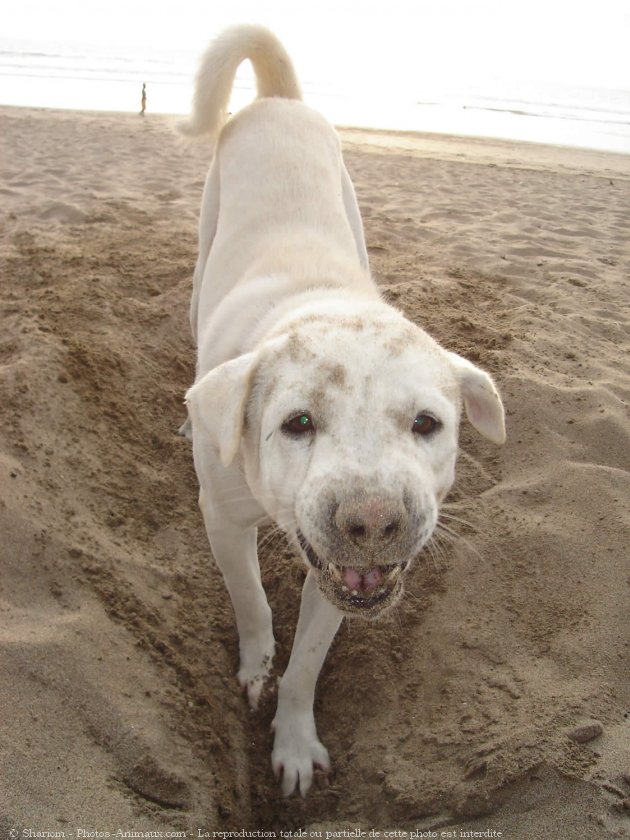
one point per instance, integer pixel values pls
(496, 697)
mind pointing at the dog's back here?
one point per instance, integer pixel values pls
(279, 217)
(278, 202)
(275, 75)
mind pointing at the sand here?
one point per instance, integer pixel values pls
(496, 697)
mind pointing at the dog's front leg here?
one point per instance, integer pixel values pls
(296, 746)
(235, 551)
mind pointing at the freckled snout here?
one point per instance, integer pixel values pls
(370, 522)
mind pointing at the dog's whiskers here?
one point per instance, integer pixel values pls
(437, 554)
(270, 537)
(458, 519)
(449, 533)
(453, 538)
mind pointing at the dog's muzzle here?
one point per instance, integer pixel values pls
(365, 544)
(360, 591)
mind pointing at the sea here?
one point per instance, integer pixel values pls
(71, 75)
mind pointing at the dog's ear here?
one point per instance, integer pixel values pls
(217, 403)
(481, 399)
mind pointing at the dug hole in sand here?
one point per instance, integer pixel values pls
(495, 697)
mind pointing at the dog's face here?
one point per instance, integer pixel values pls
(348, 434)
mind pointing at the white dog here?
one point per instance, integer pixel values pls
(316, 405)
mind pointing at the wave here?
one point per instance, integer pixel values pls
(530, 111)
(558, 112)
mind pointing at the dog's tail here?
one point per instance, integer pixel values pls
(275, 75)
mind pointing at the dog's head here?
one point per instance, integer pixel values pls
(347, 432)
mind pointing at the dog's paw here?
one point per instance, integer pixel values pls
(254, 670)
(296, 751)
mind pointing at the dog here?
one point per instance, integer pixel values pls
(316, 405)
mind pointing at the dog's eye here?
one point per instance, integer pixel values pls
(299, 424)
(425, 424)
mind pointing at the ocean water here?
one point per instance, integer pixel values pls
(55, 74)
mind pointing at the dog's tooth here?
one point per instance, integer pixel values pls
(344, 588)
(354, 593)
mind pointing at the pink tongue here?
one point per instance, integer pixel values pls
(362, 581)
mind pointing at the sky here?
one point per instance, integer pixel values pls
(582, 42)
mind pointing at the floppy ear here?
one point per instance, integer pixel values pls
(216, 403)
(482, 402)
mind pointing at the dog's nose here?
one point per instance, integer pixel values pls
(370, 522)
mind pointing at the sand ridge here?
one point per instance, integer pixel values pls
(120, 707)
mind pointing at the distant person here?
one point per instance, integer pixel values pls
(143, 100)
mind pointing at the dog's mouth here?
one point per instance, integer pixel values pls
(365, 591)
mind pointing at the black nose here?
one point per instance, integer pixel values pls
(370, 521)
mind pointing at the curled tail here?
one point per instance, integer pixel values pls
(275, 75)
